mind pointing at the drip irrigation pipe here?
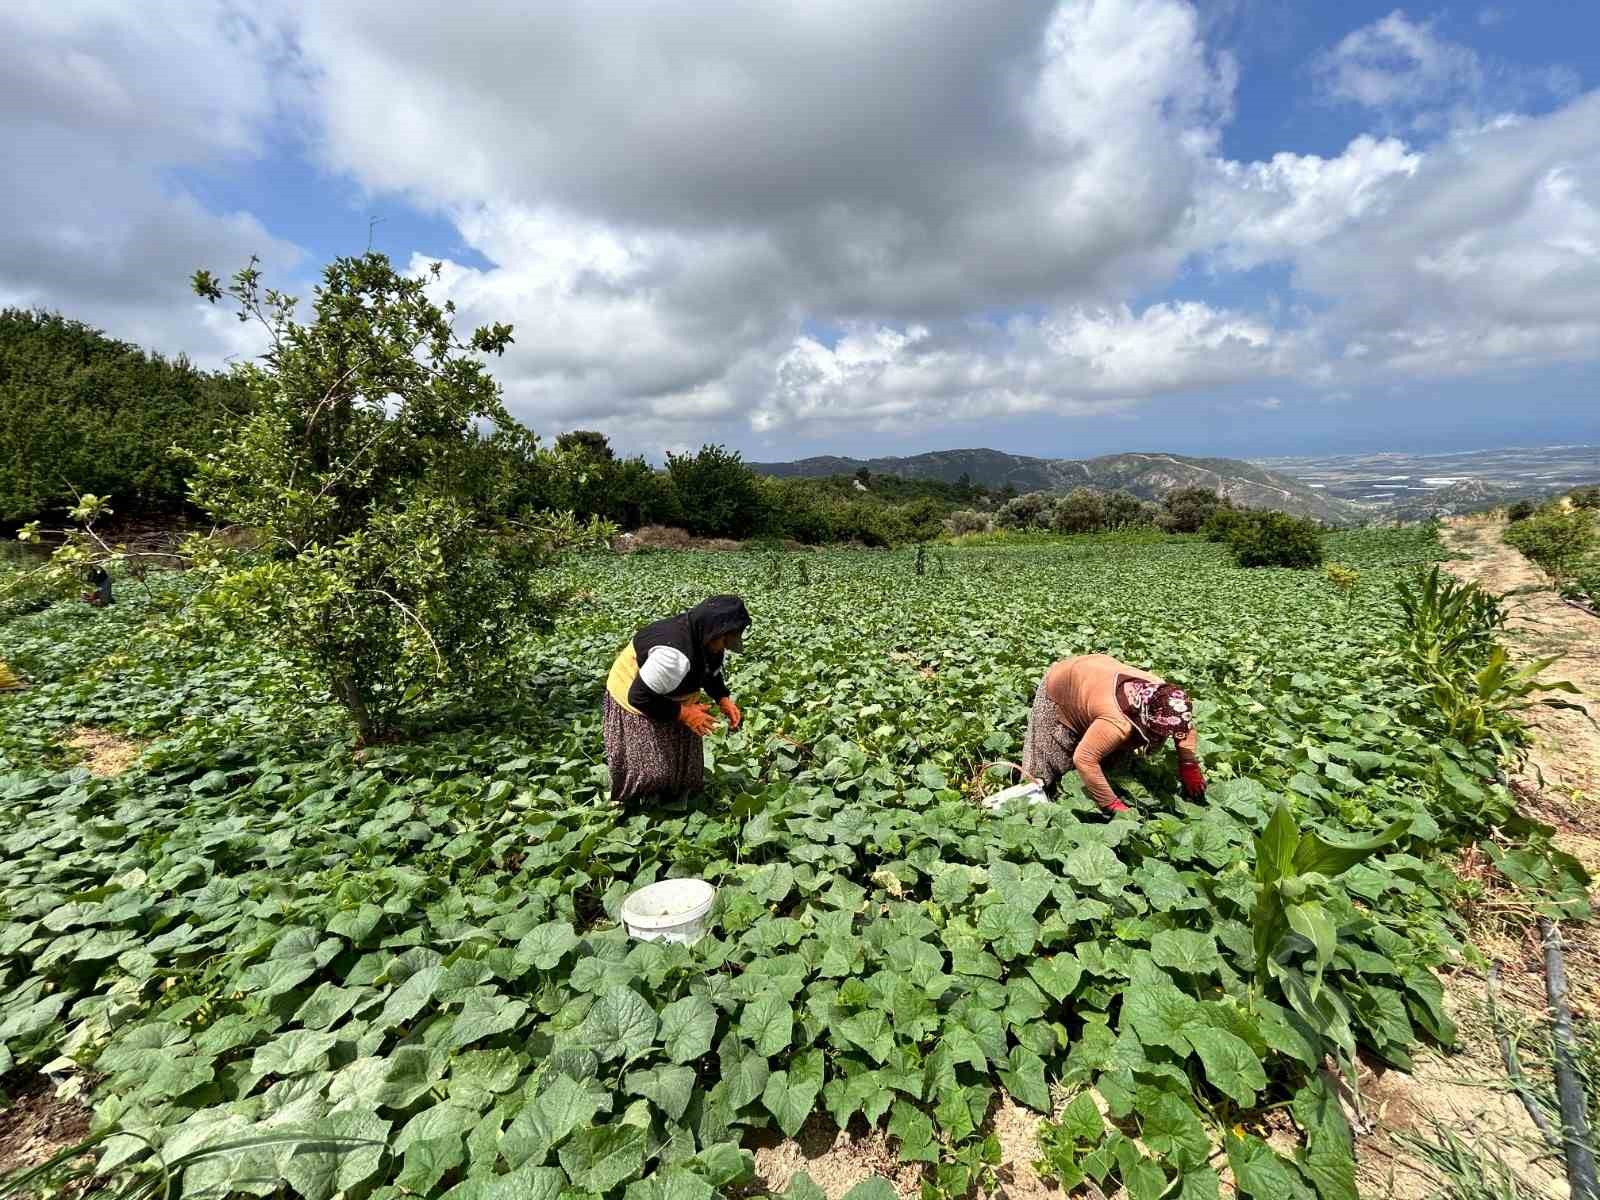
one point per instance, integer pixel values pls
(1575, 1139)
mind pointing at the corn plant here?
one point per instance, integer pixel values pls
(1291, 917)
(1447, 624)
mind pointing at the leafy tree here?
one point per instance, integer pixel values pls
(1025, 512)
(1082, 510)
(1185, 510)
(85, 413)
(1521, 510)
(720, 496)
(1124, 510)
(388, 562)
(588, 443)
(1585, 497)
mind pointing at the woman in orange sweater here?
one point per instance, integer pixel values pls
(1091, 707)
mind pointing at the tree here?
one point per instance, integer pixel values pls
(84, 413)
(720, 496)
(1186, 509)
(588, 443)
(1124, 510)
(1082, 510)
(1025, 512)
(387, 564)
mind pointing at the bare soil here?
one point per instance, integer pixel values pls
(34, 1125)
(103, 752)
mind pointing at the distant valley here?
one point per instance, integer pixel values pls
(1406, 485)
(1337, 489)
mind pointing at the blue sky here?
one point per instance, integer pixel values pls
(1248, 227)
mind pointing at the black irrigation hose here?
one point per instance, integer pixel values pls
(1508, 1055)
(1574, 1119)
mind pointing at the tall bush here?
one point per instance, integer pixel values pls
(1558, 539)
(1274, 539)
(388, 564)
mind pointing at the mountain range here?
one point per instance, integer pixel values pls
(1148, 476)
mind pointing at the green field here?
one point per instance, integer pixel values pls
(250, 930)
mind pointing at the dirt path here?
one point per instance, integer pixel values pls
(1561, 779)
(1466, 1091)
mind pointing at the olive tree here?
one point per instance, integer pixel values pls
(380, 556)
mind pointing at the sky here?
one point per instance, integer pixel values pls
(1243, 227)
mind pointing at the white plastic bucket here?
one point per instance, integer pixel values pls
(674, 910)
(1033, 793)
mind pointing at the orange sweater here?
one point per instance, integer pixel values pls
(1084, 690)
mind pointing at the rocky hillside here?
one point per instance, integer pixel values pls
(1148, 476)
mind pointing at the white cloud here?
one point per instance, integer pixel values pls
(98, 103)
(1398, 62)
(979, 200)
(1402, 69)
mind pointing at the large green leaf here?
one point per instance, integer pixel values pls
(791, 1094)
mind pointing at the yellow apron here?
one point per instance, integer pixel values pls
(623, 672)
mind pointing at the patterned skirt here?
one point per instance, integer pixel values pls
(1048, 745)
(649, 757)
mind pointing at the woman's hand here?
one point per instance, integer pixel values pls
(696, 716)
(1192, 779)
(731, 711)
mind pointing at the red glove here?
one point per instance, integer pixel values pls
(1114, 807)
(731, 711)
(696, 716)
(1192, 779)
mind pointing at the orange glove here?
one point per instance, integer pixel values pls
(731, 711)
(696, 716)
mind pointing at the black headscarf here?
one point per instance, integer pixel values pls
(715, 616)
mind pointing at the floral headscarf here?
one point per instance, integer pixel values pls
(1162, 710)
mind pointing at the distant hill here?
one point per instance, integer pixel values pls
(1148, 476)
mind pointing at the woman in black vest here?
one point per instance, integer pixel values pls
(654, 719)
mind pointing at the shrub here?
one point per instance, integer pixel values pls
(1225, 524)
(1082, 510)
(1558, 539)
(1185, 510)
(1274, 539)
(1025, 512)
(1521, 510)
(1585, 497)
(388, 565)
(964, 521)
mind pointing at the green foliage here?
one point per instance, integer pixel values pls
(1186, 510)
(1559, 539)
(1274, 539)
(388, 562)
(81, 410)
(253, 928)
(1585, 497)
(719, 495)
(1450, 648)
(1226, 524)
(1031, 511)
(1520, 510)
(1082, 510)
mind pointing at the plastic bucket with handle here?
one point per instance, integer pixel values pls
(674, 910)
